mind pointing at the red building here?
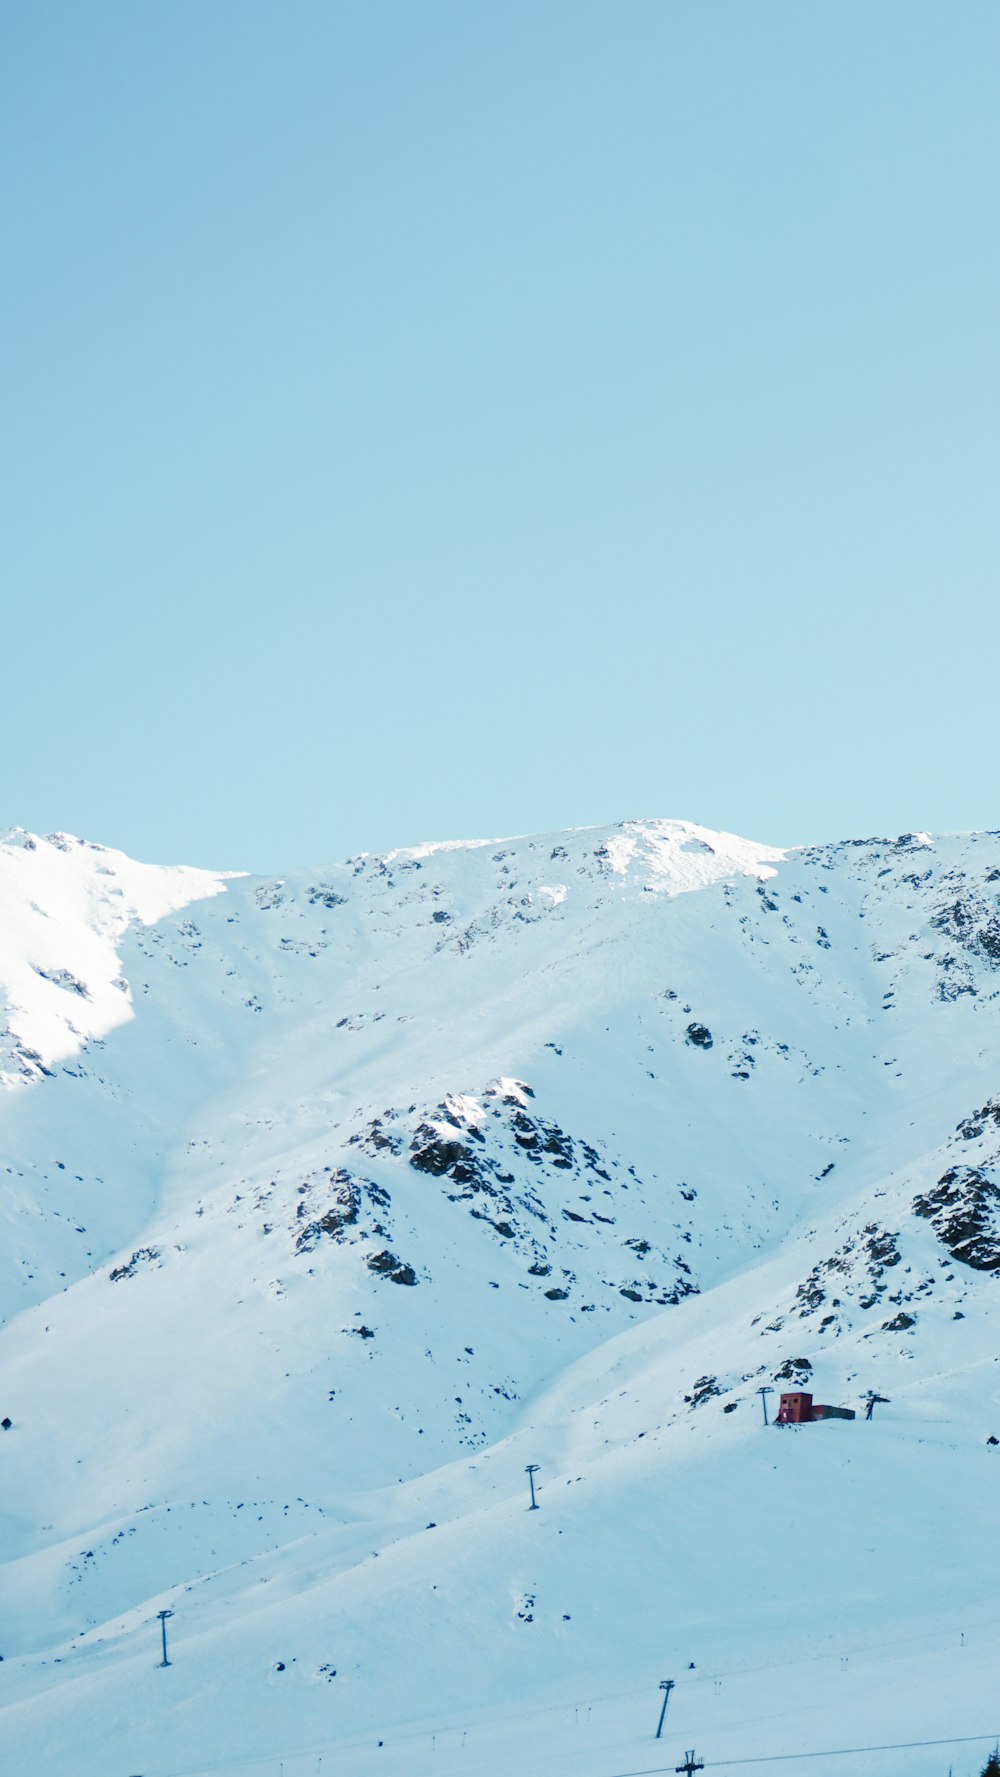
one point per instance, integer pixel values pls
(799, 1409)
(794, 1409)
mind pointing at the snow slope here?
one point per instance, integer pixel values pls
(331, 1202)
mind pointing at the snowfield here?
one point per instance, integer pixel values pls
(330, 1202)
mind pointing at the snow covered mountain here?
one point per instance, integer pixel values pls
(331, 1202)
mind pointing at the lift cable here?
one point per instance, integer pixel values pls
(776, 1758)
(275, 1759)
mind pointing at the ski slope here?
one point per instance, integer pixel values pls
(332, 1201)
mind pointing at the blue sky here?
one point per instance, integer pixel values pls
(428, 418)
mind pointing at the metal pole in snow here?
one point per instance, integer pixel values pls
(691, 1763)
(531, 1470)
(872, 1399)
(666, 1686)
(163, 1615)
(764, 1392)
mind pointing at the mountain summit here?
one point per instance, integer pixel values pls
(332, 1201)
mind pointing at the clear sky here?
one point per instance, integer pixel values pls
(435, 418)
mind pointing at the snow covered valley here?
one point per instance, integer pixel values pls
(332, 1202)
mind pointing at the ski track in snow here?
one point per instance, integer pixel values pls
(331, 1201)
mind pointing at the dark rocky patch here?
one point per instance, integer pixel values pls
(322, 895)
(145, 1255)
(375, 1138)
(437, 1154)
(796, 1370)
(955, 979)
(386, 1264)
(269, 895)
(963, 1208)
(881, 1246)
(859, 1264)
(811, 1294)
(977, 1124)
(63, 978)
(705, 1389)
(341, 1215)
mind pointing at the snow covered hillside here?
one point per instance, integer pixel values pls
(331, 1202)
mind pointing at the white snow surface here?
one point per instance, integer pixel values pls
(332, 1201)
(64, 898)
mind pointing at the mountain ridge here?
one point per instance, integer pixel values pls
(409, 1157)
